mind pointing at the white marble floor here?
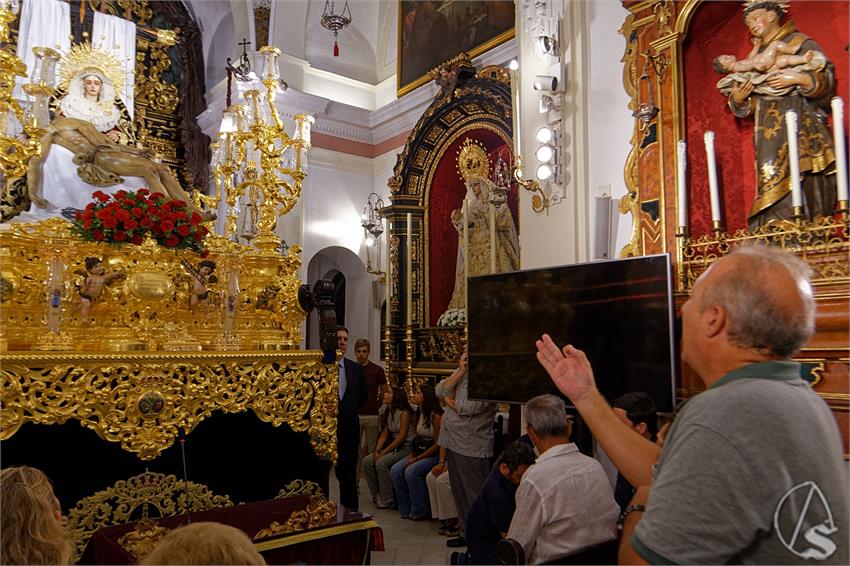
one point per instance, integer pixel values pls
(406, 542)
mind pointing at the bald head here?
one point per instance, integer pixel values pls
(767, 297)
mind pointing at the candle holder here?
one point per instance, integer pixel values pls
(798, 214)
(682, 231)
(843, 207)
(388, 353)
(408, 344)
(717, 226)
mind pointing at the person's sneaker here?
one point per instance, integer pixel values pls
(449, 531)
(457, 542)
(385, 504)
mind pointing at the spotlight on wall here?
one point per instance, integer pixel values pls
(546, 45)
(513, 65)
(549, 103)
(545, 153)
(544, 172)
(546, 83)
(545, 134)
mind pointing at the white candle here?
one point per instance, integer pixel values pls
(793, 159)
(389, 270)
(840, 149)
(492, 239)
(409, 269)
(465, 251)
(714, 193)
(515, 104)
(682, 164)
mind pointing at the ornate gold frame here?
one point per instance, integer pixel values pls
(143, 400)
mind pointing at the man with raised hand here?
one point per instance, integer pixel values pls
(751, 470)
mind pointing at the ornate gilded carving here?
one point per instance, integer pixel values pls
(151, 304)
(442, 345)
(127, 499)
(821, 243)
(151, 90)
(143, 539)
(319, 512)
(142, 400)
(300, 487)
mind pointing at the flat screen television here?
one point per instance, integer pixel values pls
(620, 312)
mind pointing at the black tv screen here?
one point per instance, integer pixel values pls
(619, 312)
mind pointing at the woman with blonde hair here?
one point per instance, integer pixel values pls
(31, 529)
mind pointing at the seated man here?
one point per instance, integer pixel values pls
(636, 409)
(491, 513)
(564, 503)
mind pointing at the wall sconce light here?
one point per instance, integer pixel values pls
(372, 229)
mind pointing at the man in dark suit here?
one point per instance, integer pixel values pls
(352, 396)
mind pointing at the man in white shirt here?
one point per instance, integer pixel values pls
(564, 503)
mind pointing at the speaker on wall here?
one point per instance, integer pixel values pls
(602, 227)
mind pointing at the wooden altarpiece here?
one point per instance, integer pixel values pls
(673, 98)
(471, 105)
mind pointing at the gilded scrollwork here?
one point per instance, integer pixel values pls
(151, 303)
(300, 487)
(821, 243)
(133, 498)
(319, 512)
(151, 90)
(441, 344)
(142, 400)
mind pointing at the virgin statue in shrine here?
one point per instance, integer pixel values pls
(484, 198)
(85, 147)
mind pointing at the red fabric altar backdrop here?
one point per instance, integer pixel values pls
(716, 28)
(447, 193)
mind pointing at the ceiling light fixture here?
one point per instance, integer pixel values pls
(336, 22)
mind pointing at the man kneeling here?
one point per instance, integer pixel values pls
(564, 502)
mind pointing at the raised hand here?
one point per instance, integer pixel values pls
(568, 368)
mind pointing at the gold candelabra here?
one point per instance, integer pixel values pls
(17, 149)
(255, 158)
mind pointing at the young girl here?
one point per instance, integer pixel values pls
(33, 532)
(408, 475)
(393, 445)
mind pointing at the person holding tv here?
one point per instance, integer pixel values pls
(752, 468)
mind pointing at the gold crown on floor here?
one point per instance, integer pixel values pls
(84, 57)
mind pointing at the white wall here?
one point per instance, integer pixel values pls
(332, 201)
(357, 292)
(610, 121)
(596, 131)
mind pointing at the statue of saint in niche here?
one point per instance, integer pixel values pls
(786, 70)
(481, 193)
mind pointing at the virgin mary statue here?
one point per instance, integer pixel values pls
(484, 198)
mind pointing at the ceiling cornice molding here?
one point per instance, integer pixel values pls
(350, 122)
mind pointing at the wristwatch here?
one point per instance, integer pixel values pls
(631, 508)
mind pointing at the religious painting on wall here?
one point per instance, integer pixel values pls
(433, 31)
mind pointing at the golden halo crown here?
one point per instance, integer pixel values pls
(83, 57)
(751, 5)
(472, 160)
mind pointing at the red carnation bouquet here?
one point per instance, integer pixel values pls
(126, 217)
